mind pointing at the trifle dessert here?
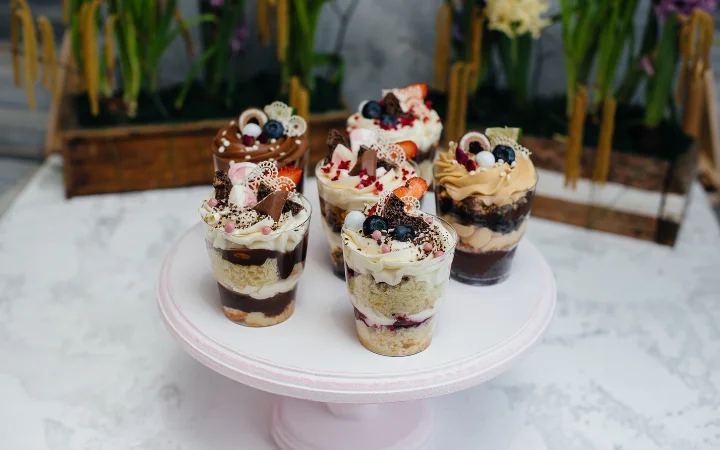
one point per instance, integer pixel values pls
(484, 186)
(269, 134)
(256, 232)
(397, 263)
(403, 114)
(352, 177)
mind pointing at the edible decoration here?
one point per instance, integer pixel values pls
(503, 166)
(373, 224)
(504, 153)
(396, 220)
(367, 162)
(273, 204)
(274, 129)
(410, 148)
(376, 165)
(354, 220)
(271, 135)
(372, 109)
(253, 193)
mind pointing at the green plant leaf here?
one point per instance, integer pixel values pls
(197, 65)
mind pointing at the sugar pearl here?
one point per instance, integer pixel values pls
(221, 149)
(377, 234)
(248, 156)
(385, 248)
(229, 227)
(427, 247)
(212, 202)
(485, 159)
(438, 253)
(266, 230)
(429, 219)
(298, 142)
(273, 140)
(354, 220)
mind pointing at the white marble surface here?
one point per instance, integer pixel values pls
(631, 361)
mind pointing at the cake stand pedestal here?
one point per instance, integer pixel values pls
(335, 393)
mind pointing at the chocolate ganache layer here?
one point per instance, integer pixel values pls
(286, 261)
(271, 307)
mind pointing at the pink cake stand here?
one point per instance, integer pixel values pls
(335, 393)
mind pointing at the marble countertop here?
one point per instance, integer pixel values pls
(631, 360)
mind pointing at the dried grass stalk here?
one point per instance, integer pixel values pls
(604, 150)
(283, 28)
(575, 139)
(443, 30)
(187, 37)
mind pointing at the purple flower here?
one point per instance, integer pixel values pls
(240, 36)
(647, 66)
(217, 3)
(685, 7)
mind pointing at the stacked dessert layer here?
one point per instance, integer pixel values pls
(403, 115)
(397, 261)
(484, 188)
(352, 177)
(256, 233)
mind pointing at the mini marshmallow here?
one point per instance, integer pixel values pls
(354, 220)
(252, 129)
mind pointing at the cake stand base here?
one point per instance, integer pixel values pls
(306, 425)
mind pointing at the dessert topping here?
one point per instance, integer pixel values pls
(274, 129)
(273, 204)
(367, 162)
(504, 153)
(222, 185)
(372, 109)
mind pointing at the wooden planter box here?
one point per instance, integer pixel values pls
(643, 198)
(140, 157)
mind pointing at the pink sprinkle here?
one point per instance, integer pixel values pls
(438, 253)
(212, 202)
(266, 230)
(429, 219)
(229, 227)
(427, 247)
(377, 234)
(385, 248)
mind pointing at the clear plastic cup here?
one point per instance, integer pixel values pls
(395, 303)
(489, 229)
(258, 281)
(334, 206)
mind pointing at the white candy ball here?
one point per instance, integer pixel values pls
(354, 220)
(485, 159)
(252, 129)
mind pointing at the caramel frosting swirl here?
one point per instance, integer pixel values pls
(228, 145)
(502, 179)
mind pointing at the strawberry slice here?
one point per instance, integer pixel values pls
(417, 187)
(419, 90)
(410, 148)
(294, 173)
(402, 191)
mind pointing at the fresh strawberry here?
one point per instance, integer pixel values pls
(410, 148)
(373, 210)
(294, 173)
(417, 187)
(419, 90)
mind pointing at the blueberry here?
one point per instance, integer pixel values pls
(404, 233)
(374, 223)
(389, 121)
(273, 129)
(372, 110)
(505, 153)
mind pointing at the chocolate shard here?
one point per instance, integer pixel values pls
(273, 204)
(392, 105)
(222, 185)
(334, 139)
(367, 160)
(263, 191)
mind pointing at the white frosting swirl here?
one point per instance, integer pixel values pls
(425, 132)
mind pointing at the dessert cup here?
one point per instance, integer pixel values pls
(395, 301)
(334, 205)
(489, 228)
(257, 277)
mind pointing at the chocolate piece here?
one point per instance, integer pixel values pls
(334, 139)
(271, 306)
(273, 204)
(367, 160)
(222, 185)
(472, 211)
(392, 105)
